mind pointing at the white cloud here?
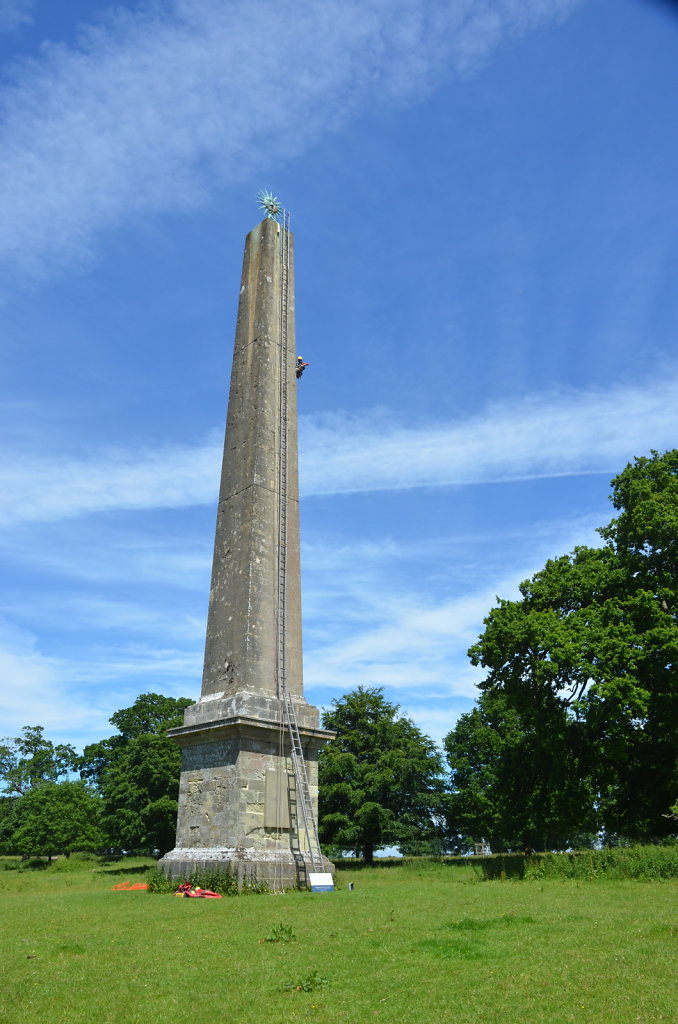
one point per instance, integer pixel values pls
(547, 435)
(37, 489)
(368, 623)
(540, 436)
(434, 721)
(156, 108)
(14, 13)
(38, 690)
(365, 623)
(401, 641)
(29, 673)
(73, 698)
(105, 553)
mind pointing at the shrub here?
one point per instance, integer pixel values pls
(159, 882)
(640, 863)
(309, 983)
(222, 882)
(281, 933)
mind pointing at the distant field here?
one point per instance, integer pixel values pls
(415, 944)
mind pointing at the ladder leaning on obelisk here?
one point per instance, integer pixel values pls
(301, 805)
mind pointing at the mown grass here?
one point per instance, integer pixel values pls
(424, 943)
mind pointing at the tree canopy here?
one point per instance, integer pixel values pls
(136, 773)
(576, 728)
(28, 760)
(380, 779)
(55, 818)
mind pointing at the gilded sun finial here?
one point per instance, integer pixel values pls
(270, 204)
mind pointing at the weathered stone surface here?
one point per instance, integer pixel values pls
(222, 791)
(237, 785)
(240, 649)
(277, 867)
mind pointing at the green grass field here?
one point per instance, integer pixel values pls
(414, 944)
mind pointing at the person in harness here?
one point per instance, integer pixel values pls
(301, 366)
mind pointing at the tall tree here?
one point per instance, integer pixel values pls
(28, 760)
(586, 660)
(645, 537)
(482, 755)
(56, 818)
(137, 773)
(380, 778)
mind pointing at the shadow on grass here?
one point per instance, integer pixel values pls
(138, 869)
(34, 864)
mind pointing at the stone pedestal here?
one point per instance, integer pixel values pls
(237, 791)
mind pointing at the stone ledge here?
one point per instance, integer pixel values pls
(247, 704)
(242, 726)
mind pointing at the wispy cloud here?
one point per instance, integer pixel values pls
(14, 13)
(65, 694)
(539, 436)
(155, 108)
(37, 489)
(367, 623)
(99, 552)
(364, 625)
(416, 646)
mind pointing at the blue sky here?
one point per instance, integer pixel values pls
(484, 205)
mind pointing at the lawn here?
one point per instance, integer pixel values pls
(407, 945)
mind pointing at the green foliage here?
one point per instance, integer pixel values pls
(253, 887)
(380, 778)
(499, 867)
(222, 882)
(56, 818)
(75, 862)
(576, 729)
(632, 863)
(159, 883)
(219, 881)
(28, 760)
(139, 789)
(151, 713)
(637, 863)
(280, 933)
(8, 806)
(137, 774)
(308, 983)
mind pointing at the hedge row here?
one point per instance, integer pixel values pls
(643, 863)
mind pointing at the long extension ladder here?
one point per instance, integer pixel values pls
(301, 805)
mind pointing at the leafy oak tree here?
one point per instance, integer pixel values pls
(583, 668)
(136, 773)
(56, 818)
(30, 766)
(29, 760)
(482, 752)
(380, 779)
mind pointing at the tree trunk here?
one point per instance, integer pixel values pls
(368, 855)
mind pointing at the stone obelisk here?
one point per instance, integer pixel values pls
(238, 799)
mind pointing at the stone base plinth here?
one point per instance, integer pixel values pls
(238, 804)
(277, 869)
